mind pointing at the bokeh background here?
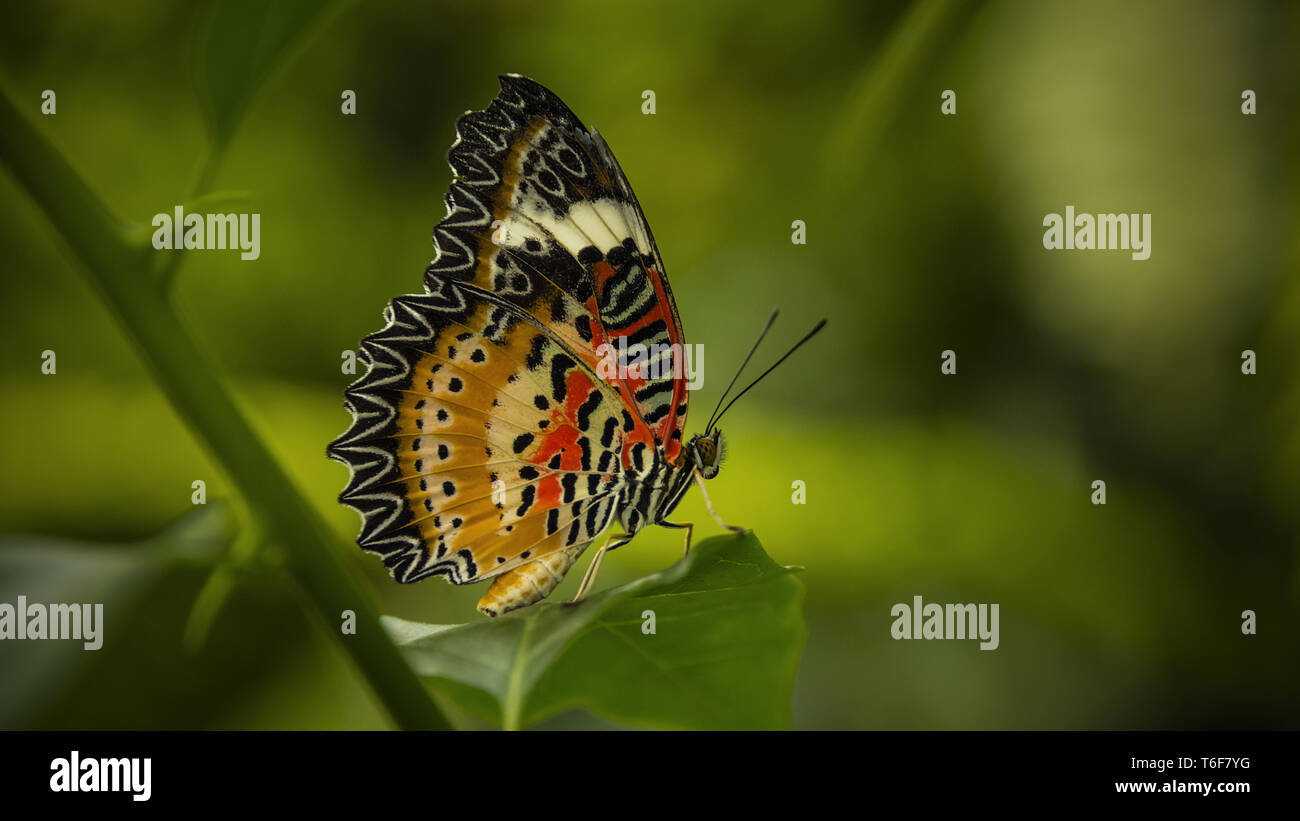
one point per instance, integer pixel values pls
(923, 234)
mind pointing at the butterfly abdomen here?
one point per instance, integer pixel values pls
(529, 583)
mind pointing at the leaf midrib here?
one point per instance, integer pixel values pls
(514, 685)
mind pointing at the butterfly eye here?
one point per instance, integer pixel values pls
(707, 452)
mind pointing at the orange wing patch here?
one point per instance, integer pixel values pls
(537, 471)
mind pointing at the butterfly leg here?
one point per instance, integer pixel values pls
(687, 526)
(589, 579)
(708, 505)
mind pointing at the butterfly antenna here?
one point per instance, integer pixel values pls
(741, 369)
(807, 337)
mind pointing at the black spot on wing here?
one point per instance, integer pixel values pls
(583, 326)
(607, 435)
(526, 499)
(534, 360)
(521, 443)
(586, 409)
(560, 365)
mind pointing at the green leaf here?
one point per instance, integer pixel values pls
(243, 42)
(729, 631)
(50, 570)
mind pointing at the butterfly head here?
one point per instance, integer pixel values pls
(707, 451)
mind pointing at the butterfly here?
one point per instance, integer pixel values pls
(536, 393)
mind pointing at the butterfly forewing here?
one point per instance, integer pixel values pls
(541, 214)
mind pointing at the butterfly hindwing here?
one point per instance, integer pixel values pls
(479, 443)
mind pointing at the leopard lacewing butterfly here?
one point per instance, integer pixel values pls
(501, 427)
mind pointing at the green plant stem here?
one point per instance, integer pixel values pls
(119, 271)
(203, 176)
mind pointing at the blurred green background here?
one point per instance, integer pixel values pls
(923, 234)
